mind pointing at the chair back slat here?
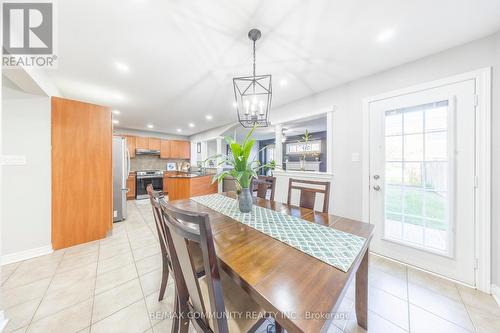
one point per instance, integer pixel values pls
(265, 183)
(307, 198)
(184, 226)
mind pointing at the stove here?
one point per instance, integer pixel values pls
(146, 177)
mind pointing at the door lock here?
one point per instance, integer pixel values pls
(376, 177)
(376, 188)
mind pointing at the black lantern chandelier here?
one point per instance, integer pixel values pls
(253, 94)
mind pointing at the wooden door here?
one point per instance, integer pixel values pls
(141, 142)
(82, 182)
(154, 143)
(165, 149)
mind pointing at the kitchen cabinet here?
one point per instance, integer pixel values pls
(154, 143)
(131, 186)
(165, 151)
(141, 142)
(165, 186)
(130, 144)
(180, 149)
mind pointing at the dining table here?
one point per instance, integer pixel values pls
(302, 293)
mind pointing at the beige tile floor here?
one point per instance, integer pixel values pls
(112, 286)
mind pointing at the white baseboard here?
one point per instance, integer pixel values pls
(495, 292)
(28, 254)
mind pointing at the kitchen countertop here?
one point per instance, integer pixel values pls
(188, 175)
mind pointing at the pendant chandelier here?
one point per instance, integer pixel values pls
(253, 94)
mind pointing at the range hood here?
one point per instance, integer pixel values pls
(140, 151)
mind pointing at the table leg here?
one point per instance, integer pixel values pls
(362, 292)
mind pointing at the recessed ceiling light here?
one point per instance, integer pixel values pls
(150, 126)
(122, 67)
(283, 82)
(115, 121)
(179, 130)
(191, 125)
(208, 117)
(117, 112)
(385, 35)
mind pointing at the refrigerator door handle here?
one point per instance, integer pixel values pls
(128, 161)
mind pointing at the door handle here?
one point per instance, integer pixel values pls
(376, 177)
(376, 188)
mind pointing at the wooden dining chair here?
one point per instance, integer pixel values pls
(263, 184)
(155, 197)
(204, 302)
(307, 197)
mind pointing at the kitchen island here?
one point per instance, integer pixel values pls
(187, 185)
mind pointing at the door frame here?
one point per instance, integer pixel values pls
(482, 202)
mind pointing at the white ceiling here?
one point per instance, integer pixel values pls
(182, 55)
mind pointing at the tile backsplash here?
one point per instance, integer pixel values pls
(145, 162)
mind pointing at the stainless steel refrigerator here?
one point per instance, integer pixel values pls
(121, 169)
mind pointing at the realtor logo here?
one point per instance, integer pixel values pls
(28, 34)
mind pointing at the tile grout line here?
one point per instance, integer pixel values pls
(138, 276)
(95, 284)
(466, 309)
(408, 298)
(45, 293)
(12, 273)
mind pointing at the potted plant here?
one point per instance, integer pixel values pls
(243, 169)
(305, 148)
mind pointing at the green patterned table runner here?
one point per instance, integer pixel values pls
(334, 247)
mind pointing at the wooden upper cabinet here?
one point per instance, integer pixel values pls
(154, 144)
(141, 142)
(180, 149)
(130, 145)
(165, 151)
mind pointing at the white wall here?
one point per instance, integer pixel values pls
(26, 189)
(347, 128)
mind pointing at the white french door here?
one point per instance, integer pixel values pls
(422, 179)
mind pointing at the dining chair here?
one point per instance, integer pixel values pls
(307, 197)
(263, 184)
(155, 197)
(205, 302)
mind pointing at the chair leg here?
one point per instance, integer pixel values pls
(184, 320)
(278, 328)
(164, 280)
(175, 322)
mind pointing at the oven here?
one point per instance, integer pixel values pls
(146, 177)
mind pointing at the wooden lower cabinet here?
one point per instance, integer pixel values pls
(82, 179)
(181, 187)
(165, 182)
(131, 186)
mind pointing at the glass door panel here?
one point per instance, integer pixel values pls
(417, 165)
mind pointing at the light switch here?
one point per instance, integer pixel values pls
(13, 160)
(355, 157)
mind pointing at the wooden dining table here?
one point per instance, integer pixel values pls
(301, 292)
